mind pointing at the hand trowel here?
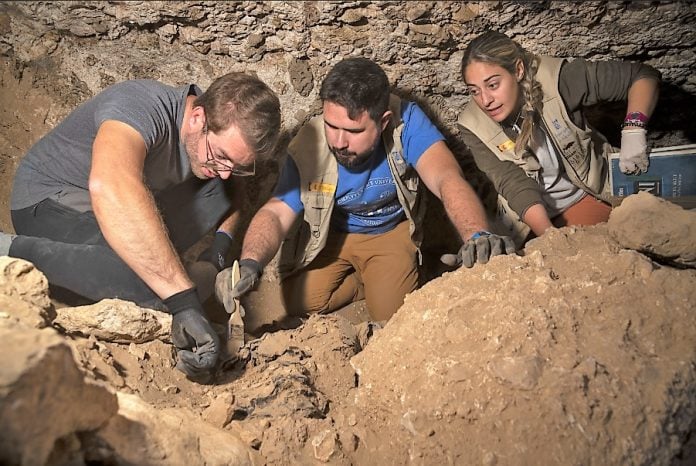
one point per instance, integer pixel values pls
(235, 324)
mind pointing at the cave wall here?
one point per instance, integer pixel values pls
(72, 50)
(291, 45)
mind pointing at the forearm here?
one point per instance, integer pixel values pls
(131, 224)
(229, 224)
(263, 237)
(537, 218)
(442, 175)
(642, 96)
(463, 206)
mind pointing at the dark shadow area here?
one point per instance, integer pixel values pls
(670, 124)
(66, 297)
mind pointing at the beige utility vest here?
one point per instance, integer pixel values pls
(583, 151)
(318, 171)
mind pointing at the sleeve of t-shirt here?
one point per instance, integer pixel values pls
(419, 132)
(288, 187)
(583, 83)
(137, 105)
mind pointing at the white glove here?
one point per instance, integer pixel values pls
(633, 159)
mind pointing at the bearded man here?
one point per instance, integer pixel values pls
(349, 204)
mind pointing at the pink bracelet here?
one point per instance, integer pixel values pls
(637, 119)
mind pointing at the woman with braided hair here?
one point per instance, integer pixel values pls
(526, 128)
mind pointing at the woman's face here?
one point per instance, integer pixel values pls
(494, 89)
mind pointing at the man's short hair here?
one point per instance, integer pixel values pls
(245, 101)
(358, 84)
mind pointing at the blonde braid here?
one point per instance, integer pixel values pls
(533, 101)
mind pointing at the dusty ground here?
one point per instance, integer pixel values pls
(581, 351)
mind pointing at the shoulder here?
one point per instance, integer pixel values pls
(150, 107)
(411, 111)
(469, 115)
(310, 134)
(415, 121)
(573, 67)
(140, 85)
(145, 92)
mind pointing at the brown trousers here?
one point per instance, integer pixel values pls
(380, 268)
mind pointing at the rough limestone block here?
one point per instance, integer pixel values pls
(116, 321)
(26, 290)
(656, 227)
(15, 309)
(141, 434)
(39, 379)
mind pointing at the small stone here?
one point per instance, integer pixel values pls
(250, 439)
(171, 389)
(325, 445)
(137, 351)
(220, 411)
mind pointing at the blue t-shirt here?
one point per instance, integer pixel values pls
(366, 199)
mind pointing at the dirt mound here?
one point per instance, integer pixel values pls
(578, 352)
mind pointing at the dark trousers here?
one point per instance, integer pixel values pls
(69, 248)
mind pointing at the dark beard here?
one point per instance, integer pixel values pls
(350, 159)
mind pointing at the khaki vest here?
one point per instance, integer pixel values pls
(583, 151)
(318, 171)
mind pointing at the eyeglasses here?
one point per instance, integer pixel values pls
(221, 165)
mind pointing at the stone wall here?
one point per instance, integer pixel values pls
(291, 45)
(68, 51)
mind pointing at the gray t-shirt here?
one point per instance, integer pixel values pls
(58, 165)
(559, 192)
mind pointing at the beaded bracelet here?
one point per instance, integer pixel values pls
(637, 119)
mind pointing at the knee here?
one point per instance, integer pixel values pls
(298, 302)
(383, 306)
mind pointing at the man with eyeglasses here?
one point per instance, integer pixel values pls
(349, 204)
(106, 202)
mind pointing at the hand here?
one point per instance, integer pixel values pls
(633, 159)
(198, 346)
(218, 253)
(479, 248)
(249, 274)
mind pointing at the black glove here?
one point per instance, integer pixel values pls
(197, 343)
(249, 274)
(218, 253)
(479, 248)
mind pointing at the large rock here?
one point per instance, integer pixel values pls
(44, 397)
(24, 293)
(115, 320)
(141, 434)
(578, 353)
(655, 227)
